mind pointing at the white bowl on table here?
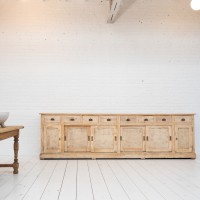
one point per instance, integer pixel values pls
(3, 118)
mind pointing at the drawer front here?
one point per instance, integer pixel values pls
(146, 119)
(128, 119)
(183, 119)
(164, 119)
(108, 119)
(52, 118)
(74, 119)
(90, 119)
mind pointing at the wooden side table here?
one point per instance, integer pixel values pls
(5, 133)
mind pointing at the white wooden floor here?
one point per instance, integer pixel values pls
(101, 179)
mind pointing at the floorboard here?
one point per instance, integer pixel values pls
(13, 180)
(101, 179)
(68, 188)
(100, 189)
(84, 187)
(115, 187)
(53, 187)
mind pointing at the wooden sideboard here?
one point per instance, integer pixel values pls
(117, 136)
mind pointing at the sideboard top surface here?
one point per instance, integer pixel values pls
(114, 114)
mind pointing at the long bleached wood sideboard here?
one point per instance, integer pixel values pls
(117, 136)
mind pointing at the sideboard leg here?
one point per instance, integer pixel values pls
(16, 148)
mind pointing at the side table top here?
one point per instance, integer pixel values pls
(10, 128)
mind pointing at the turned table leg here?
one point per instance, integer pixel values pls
(16, 148)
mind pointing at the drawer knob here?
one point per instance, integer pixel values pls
(183, 119)
(128, 120)
(146, 120)
(163, 119)
(108, 119)
(72, 119)
(52, 119)
(90, 119)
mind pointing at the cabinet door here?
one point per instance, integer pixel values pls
(184, 138)
(104, 139)
(132, 138)
(77, 138)
(52, 139)
(158, 138)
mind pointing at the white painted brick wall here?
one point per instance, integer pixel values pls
(62, 56)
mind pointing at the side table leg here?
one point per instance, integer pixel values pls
(16, 148)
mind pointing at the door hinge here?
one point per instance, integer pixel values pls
(115, 138)
(65, 138)
(121, 138)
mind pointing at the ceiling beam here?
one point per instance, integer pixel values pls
(115, 6)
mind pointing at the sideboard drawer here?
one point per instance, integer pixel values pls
(107, 119)
(183, 119)
(74, 119)
(128, 119)
(146, 119)
(91, 119)
(52, 118)
(164, 119)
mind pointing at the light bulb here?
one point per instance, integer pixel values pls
(195, 4)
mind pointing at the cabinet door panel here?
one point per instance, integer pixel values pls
(184, 138)
(104, 139)
(132, 138)
(158, 138)
(77, 138)
(52, 139)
